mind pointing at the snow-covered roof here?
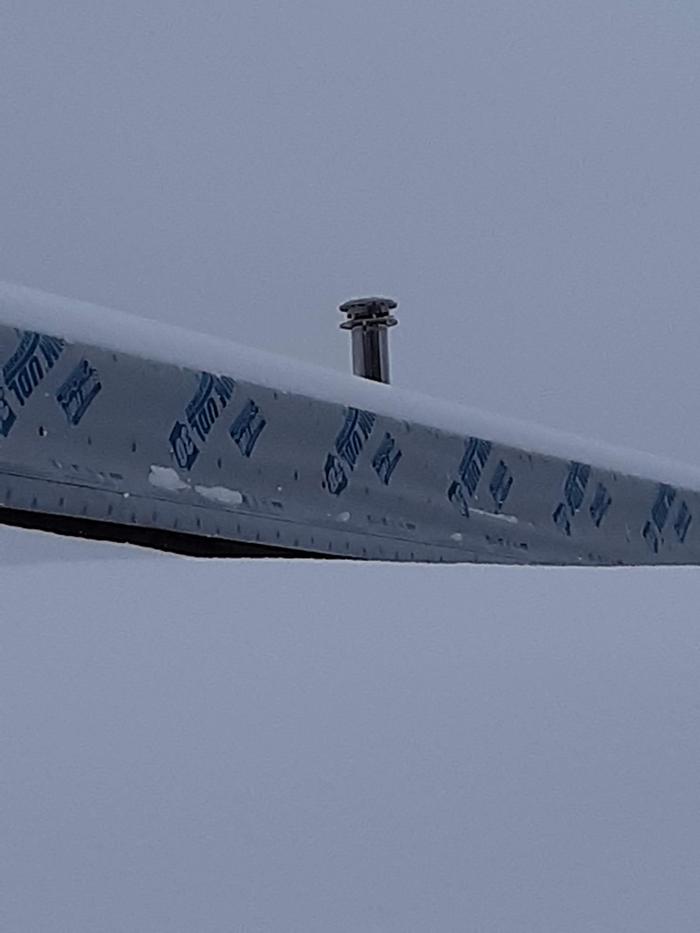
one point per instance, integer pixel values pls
(79, 321)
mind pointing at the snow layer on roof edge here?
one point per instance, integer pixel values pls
(82, 322)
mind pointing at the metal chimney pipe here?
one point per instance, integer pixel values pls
(369, 319)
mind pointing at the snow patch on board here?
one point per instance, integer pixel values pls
(166, 478)
(220, 494)
(497, 516)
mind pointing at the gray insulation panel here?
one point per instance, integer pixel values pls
(94, 434)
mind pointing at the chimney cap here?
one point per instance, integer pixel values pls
(368, 310)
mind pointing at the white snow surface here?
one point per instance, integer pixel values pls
(221, 494)
(79, 321)
(300, 746)
(166, 478)
(169, 479)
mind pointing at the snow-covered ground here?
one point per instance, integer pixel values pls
(297, 746)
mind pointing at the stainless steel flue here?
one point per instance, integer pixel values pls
(369, 319)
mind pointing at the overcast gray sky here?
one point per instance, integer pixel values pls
(523, 175)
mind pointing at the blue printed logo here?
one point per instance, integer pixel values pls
(660, 511)
(653, 530)
(79, 391)
(7, 415)
(574, 493)
(247, 428)
(386, 459)
(184, 448)
(336, 477)
(682, 522)
(34, 357)
(500, 485)
(201, 414)
(470, 470)
(349, 444)
(602, 500)
(456, 496)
